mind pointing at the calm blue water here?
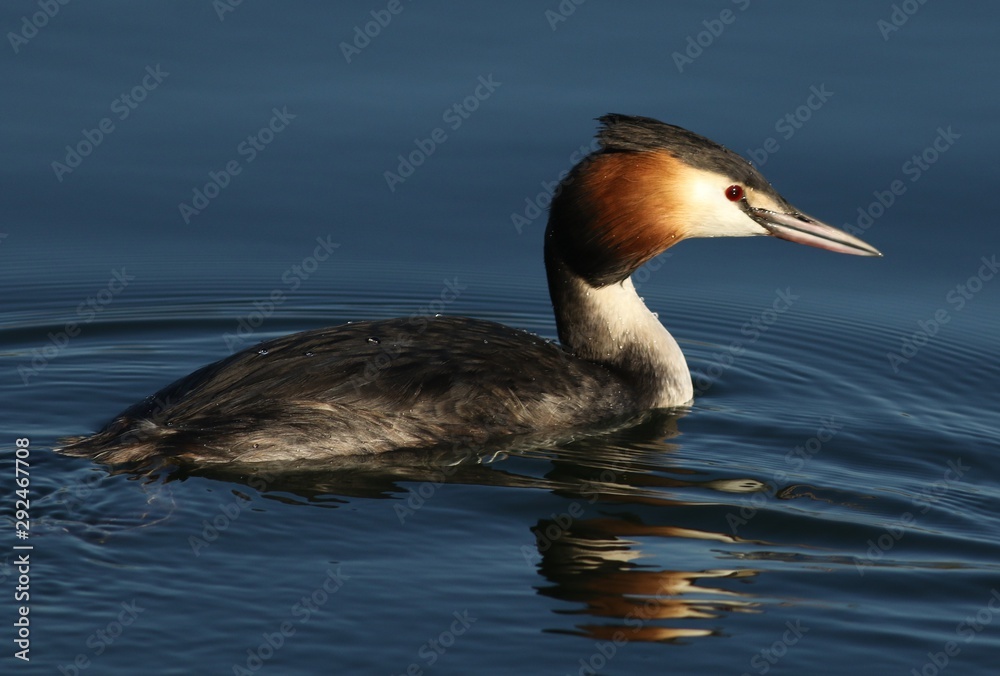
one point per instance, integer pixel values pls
(825, 507)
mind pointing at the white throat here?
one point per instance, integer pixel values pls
(612, 326)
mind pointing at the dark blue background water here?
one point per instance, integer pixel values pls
(823, 508)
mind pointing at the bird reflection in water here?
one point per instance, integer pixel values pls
(595, 558)
(595, 562)
(591, 553)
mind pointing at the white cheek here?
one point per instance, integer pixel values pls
(712, 214)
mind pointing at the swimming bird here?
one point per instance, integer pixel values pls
(430, 382)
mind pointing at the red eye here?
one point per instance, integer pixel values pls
(734, 193)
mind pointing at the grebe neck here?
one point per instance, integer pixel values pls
(611, 326)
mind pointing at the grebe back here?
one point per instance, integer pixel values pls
(443, 381)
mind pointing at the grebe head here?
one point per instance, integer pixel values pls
(652, 184)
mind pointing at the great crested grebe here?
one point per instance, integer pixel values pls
(306, 396)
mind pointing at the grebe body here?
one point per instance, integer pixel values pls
(430, 382)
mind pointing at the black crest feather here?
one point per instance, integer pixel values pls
(629, 133)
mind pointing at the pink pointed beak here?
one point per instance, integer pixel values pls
(797, 227)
